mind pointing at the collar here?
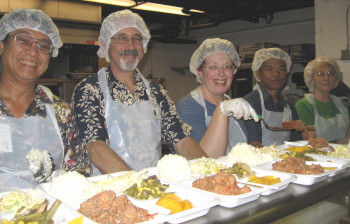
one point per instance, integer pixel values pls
(267, 97)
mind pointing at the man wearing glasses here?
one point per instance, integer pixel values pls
(121, 116)
(31, 117)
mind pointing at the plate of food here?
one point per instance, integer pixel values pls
(275, 181)
(31, 205)
(224, 186)
(320, 149)
(138, 191)
(307, 172)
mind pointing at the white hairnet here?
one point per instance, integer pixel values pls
(266, 53)
(31, 19)
(210, 46)
(116, 22)
(313, 65)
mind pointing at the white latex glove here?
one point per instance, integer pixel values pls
(238, 108)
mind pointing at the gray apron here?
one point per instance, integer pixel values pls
(134, 131)
(274, 119)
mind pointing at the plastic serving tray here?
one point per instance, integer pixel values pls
(286, 178)
(62, 216)
(310, 179)
(201, 202)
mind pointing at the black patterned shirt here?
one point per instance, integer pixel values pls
(76, 157)
(89, 108)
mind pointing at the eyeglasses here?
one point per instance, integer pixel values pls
(214, 68)
(330, 74)
(43, 46)
(123, 39)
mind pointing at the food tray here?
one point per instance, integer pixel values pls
(63, 214)
(201, 202)
(286, 178)
(324, 158)
(228, 201)
(309, 179)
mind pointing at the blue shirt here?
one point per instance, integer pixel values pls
(192, 113)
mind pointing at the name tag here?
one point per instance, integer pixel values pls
(5, 138)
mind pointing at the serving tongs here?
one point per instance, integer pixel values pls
(304, 128)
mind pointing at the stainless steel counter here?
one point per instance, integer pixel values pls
(281, 204)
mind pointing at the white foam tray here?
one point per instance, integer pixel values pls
(310, 179)
(286, 178)
(201, 202)
(62, 216)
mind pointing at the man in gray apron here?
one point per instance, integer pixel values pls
(121, 116)
(270, 68)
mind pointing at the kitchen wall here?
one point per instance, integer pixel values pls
(331, 31)
(290, 27)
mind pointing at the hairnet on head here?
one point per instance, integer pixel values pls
(266, 53)
(116, 22)
(313, 65)
(210, 46)
(31, 19)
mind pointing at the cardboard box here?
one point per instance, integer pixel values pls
(302, 52)
(247, 51)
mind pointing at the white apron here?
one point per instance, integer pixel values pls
(274, 119)
(26, 133)
(134, 131)
(332, 128)
(235, 132)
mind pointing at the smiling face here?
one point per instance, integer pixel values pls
(124, 52)
(324, 77)
(216, 79)
(24, 63)
(273, 74)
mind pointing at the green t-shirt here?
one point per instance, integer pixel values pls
(306, 111)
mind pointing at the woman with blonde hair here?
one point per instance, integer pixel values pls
(328, 113)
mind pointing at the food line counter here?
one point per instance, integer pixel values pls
(283, 203)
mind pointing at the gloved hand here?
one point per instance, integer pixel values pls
(238, 108)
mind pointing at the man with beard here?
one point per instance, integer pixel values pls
(122, 118)
(270, 68)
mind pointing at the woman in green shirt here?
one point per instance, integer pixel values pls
(326, 112)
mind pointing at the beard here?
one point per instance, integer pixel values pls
(128, 65)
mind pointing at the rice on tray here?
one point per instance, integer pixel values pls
(72, 186)
(174, 167)
(245, 153)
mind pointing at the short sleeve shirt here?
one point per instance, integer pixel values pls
(89, 108)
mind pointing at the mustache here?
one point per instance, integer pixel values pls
(129, 52)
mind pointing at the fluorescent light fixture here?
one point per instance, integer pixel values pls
(125, 3)
(160, 8)
(146, 6)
